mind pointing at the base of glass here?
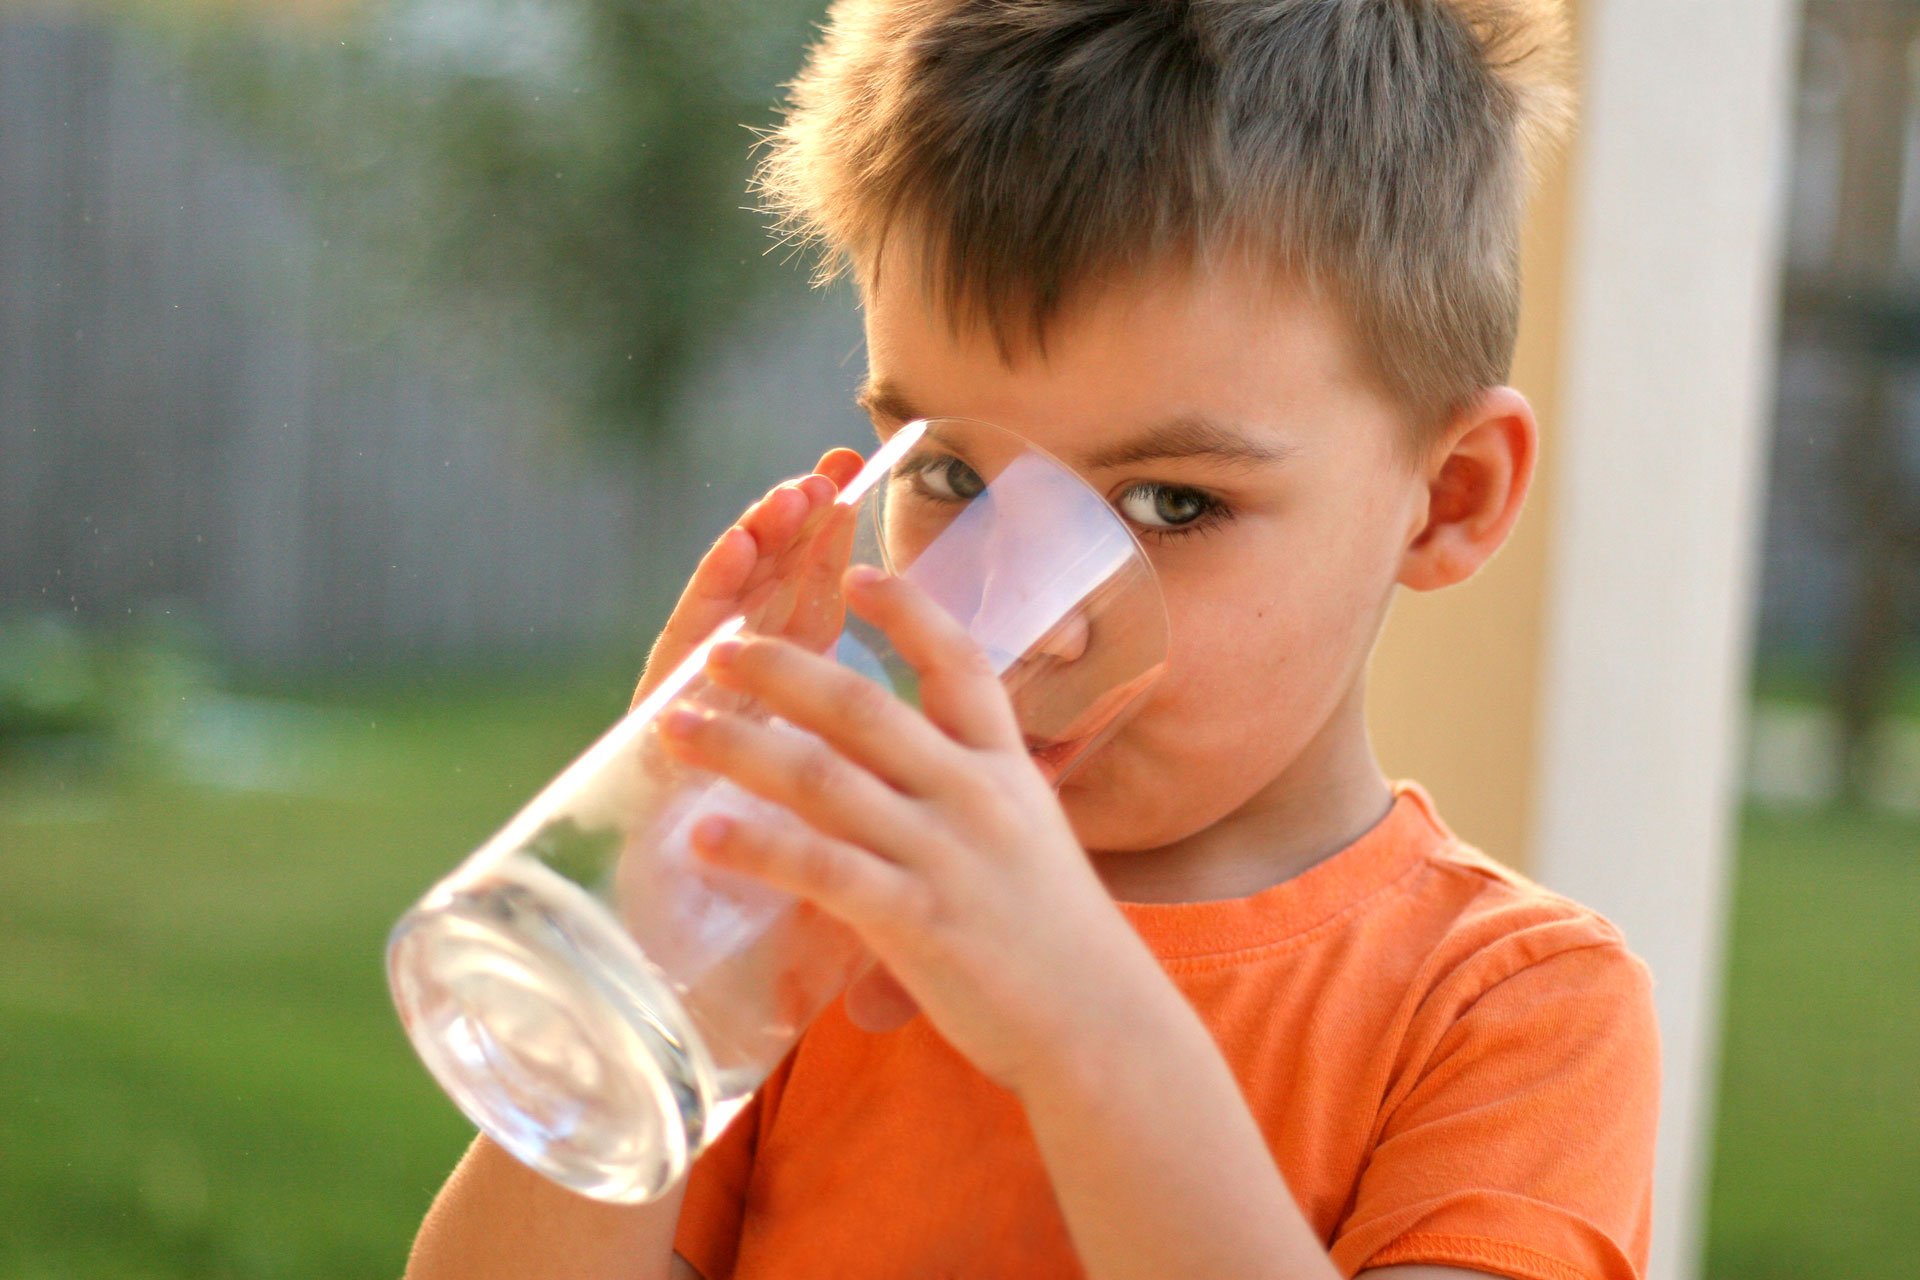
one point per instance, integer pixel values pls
(550, 1030)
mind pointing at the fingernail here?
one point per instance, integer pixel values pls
(723, 653)
(863, 575)
(711, 830)
(680, 722)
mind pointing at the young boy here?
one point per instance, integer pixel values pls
(1230, 1004)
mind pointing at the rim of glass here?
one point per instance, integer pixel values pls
(890, 449)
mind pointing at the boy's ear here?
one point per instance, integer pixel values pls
(1476, 478)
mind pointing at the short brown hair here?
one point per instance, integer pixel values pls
(1378, 148)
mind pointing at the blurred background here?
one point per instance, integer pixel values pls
(371, 377)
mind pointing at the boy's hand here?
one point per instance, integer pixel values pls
(748, 563)
(935, 836)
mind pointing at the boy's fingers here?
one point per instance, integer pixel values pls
(839, 466)
(711, 596)
(818, 489)
(801, 773)
(877, 1002)
(959, 689)
(778, 539)
(721, 570)
(868, 893)
(705, 602)
(773, 520)
(858, 717)
(809, 604)
(805, 597)
(819, 611)
(759, 546)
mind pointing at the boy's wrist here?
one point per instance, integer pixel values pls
(1157, 1164)
(1133, 1008)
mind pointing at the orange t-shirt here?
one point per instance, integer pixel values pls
(1450, 1064)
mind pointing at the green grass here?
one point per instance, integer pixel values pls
(1816, 1170)
(1804, 679)
(201, 1076)
(200, 1072)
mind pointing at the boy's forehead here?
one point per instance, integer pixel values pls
(1164, 363)
(1106, 443)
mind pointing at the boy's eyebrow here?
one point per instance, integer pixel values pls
(1183, 437)
(881, 399)
(1189, 437)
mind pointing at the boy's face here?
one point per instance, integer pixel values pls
(1277, 593)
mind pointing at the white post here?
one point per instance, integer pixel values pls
(1670, 331)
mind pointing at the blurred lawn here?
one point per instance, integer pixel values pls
(200, 1073)
(201, 1076)
(1816, 1171)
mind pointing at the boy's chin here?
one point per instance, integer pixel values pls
(1097, 819)
(1100, 807)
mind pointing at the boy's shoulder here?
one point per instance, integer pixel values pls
(1486, 921)
(1510, 1073)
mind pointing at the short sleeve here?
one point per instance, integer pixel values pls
(1525, 1147)
(711, 1215)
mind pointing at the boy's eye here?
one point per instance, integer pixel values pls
(1160, 506)
(948, 479)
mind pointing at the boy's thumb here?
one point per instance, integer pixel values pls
(877, 1002)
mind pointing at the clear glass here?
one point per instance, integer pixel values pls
(601, 1001)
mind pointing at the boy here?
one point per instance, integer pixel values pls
(1230, 1004)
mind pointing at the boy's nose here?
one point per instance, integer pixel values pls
(1014, 604)
(1067, 641)
(1043, 554)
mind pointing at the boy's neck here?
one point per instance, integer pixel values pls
(1331, 795)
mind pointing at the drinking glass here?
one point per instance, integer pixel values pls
(599, 999)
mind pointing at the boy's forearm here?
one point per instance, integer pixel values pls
(1157, 1164)
(496, 1217)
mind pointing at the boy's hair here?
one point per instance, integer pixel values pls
(1377, 149)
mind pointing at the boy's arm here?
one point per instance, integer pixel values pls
(1552, 1085)
(1158, 1165)
(496, 1217)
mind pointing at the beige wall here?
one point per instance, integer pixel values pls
(1577, 709)
(1455, 678)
